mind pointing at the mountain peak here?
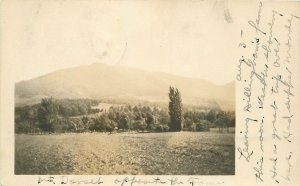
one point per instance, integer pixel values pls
(100, 80)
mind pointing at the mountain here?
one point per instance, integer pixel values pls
(100, 81)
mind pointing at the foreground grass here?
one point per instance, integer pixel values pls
(179, 153)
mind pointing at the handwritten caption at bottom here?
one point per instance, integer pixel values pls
(127, 181)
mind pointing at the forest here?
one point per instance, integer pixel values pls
(80, 115)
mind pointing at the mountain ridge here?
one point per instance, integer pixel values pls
(101, 81)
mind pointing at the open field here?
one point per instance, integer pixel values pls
(179, 153)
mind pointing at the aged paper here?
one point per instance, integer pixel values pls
(136, 93)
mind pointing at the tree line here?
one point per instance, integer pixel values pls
(79, 115)
(45, 115)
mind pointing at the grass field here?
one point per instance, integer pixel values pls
(178, 153)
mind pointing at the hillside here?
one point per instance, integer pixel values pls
(100, 81)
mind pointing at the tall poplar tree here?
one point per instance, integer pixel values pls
(175, 109)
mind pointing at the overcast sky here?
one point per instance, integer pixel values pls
(193, 39)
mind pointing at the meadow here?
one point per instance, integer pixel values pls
(176, 153)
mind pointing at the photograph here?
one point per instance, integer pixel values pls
(124, 88)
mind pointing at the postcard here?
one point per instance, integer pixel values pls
(134, 93)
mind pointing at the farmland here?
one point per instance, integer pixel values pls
(179, 153)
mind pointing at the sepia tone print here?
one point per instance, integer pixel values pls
(173, 92)
(108, 96)
(101, 119)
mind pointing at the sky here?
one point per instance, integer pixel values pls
(186, 38)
